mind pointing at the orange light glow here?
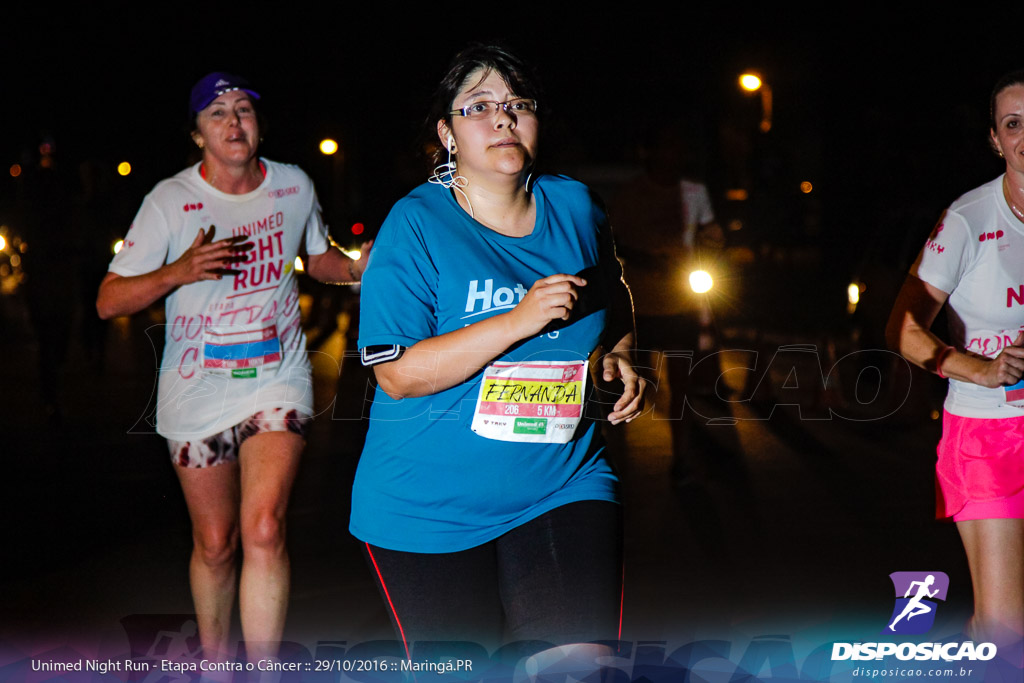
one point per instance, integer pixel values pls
(750, 82)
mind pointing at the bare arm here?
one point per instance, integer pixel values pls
(619, 364)
(441, 362)
(909, 332)
(120, 295)
(333, 267)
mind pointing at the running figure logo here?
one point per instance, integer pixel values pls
(914, 612)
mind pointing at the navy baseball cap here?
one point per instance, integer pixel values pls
(211, 86)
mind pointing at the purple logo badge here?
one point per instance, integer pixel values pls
(916, 596)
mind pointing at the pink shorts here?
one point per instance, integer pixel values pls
(224, 447)
(980, 472)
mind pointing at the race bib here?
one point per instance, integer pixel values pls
(532, 402)
(1014, 394)
(241, 353)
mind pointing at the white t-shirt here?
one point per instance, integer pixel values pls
(976, 254)
(233, 346)
(697, 210)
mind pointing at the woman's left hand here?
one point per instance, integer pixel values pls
(619, 365)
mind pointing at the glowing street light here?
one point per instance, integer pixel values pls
(751, 82)
(328, 146)
(124, 168)
(334, 159)
(853, 293)
(700, 281)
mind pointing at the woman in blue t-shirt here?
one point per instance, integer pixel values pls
(484, 499)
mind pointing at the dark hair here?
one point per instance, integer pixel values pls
(1013, 78)
(520, 78)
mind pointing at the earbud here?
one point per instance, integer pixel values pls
(447, 174)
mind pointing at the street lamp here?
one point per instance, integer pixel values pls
(751, 82)
(334, 158)
(328, 146)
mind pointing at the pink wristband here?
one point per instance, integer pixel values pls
(942, 356)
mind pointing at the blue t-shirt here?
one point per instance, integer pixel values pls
(426, 482)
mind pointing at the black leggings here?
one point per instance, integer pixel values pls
(556, 578)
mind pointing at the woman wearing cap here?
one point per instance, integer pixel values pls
(483, 495)
(219, 240)
(973, 263)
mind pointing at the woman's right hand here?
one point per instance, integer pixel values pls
(205, 260)
(201, 261)
(1007, 368)
(550, 298)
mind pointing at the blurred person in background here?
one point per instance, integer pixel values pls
(664, 222)
(51, 266)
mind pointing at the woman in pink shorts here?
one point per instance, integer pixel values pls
(219, 240)
(973, 262)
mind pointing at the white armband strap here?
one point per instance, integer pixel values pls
(382, 353)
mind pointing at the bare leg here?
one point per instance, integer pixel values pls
(212, 495)
(269, 461)
(995, 554)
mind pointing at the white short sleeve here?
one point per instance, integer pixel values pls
(146, 244)
(946, 254)
(317, 240)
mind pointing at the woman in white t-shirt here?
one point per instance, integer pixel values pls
(973, 263)
(219, 240)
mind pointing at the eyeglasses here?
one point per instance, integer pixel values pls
(482, 110)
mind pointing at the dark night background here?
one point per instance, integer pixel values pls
(879, 112)
(885, 113)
